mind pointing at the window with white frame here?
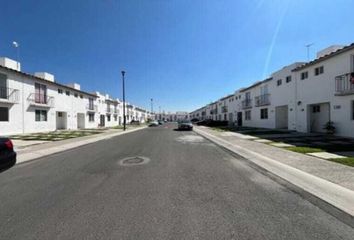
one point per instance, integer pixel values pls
(318, 70)
(91, 117)
(41, 115)
(288, 79)
(264, 113)
(248, 115)
(304, 75)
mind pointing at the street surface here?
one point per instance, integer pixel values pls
(185, 188)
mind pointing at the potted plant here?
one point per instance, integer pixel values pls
(329, 127)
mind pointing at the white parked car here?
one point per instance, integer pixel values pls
(153, 124)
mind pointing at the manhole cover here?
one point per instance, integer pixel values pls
(132, 161)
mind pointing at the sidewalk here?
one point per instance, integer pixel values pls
(329, 181)
(41, 149)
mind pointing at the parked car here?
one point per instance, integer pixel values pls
(7, 153)
(153, 124)
(135, 122)
(212, 123)
(185, 125)
(160, 122)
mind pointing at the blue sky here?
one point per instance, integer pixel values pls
(182, 53)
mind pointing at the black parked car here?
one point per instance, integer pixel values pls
(7, 153)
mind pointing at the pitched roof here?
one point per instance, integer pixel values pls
(325, 57)
(256, 84)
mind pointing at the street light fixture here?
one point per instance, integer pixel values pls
(124, 117)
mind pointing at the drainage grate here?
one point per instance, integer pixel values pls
(132, 161)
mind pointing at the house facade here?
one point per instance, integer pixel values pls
(302, 96)
(38, 103)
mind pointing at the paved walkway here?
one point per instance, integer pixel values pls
(330, 171)
(37, 150)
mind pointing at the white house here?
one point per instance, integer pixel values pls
(34, 103)
(38, 103)
(325, 91)
(301, 96)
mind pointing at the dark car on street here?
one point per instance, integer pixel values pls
(7, 153)
(185, 125)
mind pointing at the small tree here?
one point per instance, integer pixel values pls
(329, 127)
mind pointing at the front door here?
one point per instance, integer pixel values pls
(239, 119)
(102, 120)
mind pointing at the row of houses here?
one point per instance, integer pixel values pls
(173, 117)
(37, 103)
(303, 96)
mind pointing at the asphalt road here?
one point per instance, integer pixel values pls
(189, 189)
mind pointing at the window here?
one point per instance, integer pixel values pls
(352, 110)
(279, 82)
(41, 115)
(288, 79)
(248, 95)
(60, 114)
(81, 96)
(248, 115)
(318, 70)
(40, 95)
(91, 117)
(316, 109)
(67, 93)
(76, 95)
(115, 118)
(4, 114)
(60, 91)
(304, 75)
(264, 113)
(108, 118)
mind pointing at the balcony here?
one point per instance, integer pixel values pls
(91, 108)
(40, 100)
(262, 100)
(9, 95)
(344, 84)
(247, 103)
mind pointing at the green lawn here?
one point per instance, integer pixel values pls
(55, 136)
(346, 161)
(304, 149)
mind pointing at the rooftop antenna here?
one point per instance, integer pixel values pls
(308, 50)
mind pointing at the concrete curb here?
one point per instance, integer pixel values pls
(333, 194)
(26, 157)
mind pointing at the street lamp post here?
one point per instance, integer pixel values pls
(152, 106)
(17, 46)
(124, 117)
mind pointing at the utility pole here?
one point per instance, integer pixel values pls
(152, 106)
(308, 50)
(124, 117)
